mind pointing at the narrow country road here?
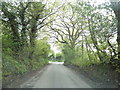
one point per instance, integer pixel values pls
(56, 76)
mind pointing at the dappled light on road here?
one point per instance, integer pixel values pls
(56, 62)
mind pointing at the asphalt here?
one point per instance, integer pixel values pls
(56, 75)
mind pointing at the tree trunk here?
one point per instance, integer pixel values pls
(90, 47)
(82, 49)
(94, 40)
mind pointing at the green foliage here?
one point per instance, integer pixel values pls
(79, 59)
(12, 66)
(96, 43)
(21, 64)
(42, 48)
(22, 52)
(59, 57)
(86, 35)
(68, 54)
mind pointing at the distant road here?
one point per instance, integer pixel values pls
(56, 75)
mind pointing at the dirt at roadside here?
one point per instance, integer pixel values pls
(102, 75)
(15, 81)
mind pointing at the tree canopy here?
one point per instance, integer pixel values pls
(86, 33)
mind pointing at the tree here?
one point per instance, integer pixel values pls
(24, 21)
(21, 22)
(69, 28)
(116, 9)
(84, 21)
(59, 56)
(10, 17)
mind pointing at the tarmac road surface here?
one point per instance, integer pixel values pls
(56, 75)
